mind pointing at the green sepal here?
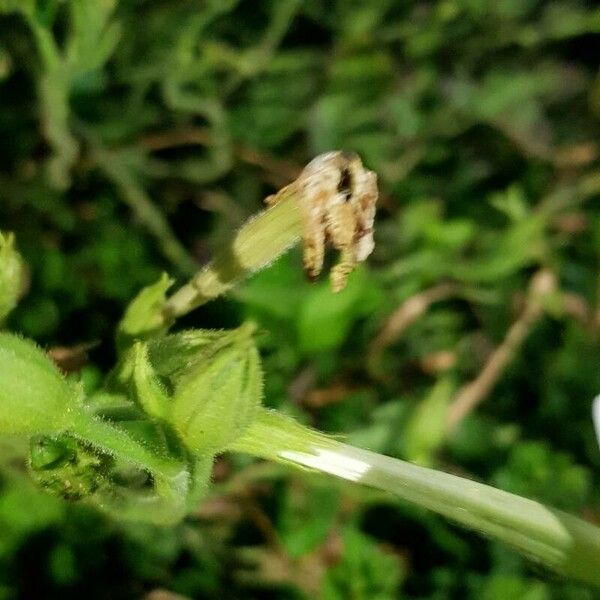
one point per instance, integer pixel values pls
(149, 391)
(34, 397)
(174, 355)
(203, 385)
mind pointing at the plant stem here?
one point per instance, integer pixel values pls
(556, 539)
(120, 444)
(258, 243)
(166, 502)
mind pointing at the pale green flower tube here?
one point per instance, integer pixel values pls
(257, 244)
(546, 535)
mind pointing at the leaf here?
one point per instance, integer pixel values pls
(325, 319)
(425, 429)
(11, 275)
(365, 571)
(306, 516)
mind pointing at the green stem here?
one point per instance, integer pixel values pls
(257, 244)
(556, 539)
(119, 444)
(166, 503)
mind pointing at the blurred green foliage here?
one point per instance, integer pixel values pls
(135, 135)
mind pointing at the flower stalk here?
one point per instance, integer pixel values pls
(116, 442)
(257, 244)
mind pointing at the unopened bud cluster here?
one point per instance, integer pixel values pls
(207, 385)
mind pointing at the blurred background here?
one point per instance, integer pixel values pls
(137, 135)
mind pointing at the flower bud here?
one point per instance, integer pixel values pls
(11, 275)
(218, 391)
(65, 467)
(143, 318)
(34, 397)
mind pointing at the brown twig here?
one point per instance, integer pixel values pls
(474, 392)
(261, 521)
(160, 594)
(578, 308)
(563, 157)
(70, 359)
(281, 171)
(407, 313)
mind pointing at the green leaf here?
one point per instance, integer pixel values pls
(11, 275)
(534, 470)
(424, 432)
(325, 319)
(365, 571)
(34, 397)
(307, 516)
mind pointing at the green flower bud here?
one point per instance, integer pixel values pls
(173, 355)
(217, 390)
(143, 318)
(34, 397)
(66, 467)
(11, 274)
